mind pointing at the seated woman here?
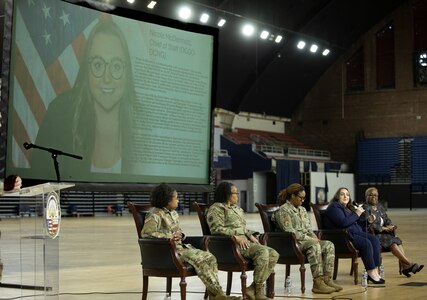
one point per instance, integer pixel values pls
(163, 222)
(226, 218)
(383, 228)
(292, 217)
(342, 214)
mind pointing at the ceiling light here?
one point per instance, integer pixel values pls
(221, 22)
(248, 30)
(204, 18)
(131, 1)
(301, 45)
(151, 4)
(314, 48)
(264, 34)
(325, 52)
(184, 13)
(278, 39)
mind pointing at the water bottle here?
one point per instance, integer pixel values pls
(364, 279)
(382, 271)
(288, 285)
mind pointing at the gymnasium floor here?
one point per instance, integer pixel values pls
(99, 259)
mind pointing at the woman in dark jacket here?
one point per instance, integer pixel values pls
(378, 222)
(342, 214)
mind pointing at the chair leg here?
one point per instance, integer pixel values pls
(302, 276)
(169, 285)
(355, 265)
(183, 288)
(206, 294)
(243, 278)
(229, 281)
(144, 287)
(335, 268)
(288, 270)
(270, 285)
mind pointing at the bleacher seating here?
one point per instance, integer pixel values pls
(274, 144)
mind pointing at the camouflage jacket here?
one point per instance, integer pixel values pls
(163, 223)
(227, 220)
(294, 219)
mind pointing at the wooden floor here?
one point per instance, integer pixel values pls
(99, 259)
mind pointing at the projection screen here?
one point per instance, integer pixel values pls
(107, 97)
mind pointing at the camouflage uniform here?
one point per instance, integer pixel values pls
(320, 255)
(230, 220)
(162, 223)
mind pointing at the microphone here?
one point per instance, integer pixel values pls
(28, 146)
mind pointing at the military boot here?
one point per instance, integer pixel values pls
(250, 292)
(222, 296)
(259, 292)
(327, 279)
(319, 286)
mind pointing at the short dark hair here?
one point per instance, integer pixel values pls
(162, 195)
(9, 183)
(223, 191)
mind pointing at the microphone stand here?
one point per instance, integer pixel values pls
(54, 153)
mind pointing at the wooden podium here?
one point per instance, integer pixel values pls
(38, 265)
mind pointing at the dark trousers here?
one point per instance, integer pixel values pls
(369, 249)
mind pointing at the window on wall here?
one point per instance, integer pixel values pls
(419, 10)
(384, 40)
(355, 71)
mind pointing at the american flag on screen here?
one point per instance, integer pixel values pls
(49, 36)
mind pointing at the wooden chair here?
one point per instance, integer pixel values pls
(159, 257)
(344, 248)
(284, 243)
(228, 256)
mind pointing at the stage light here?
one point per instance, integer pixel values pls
(248, 29)
(325, 52)
(221, 22)
(151, 4)
(278, 39)
(184, 12)
(264, 34)
(131, 1)
(314, 48)
(204, 18)
(301, 45)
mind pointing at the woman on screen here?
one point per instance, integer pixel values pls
(93, 119)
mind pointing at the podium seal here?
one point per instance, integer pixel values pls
(52, 215)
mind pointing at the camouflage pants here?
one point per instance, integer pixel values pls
(264, 258)
(206, 268)
(321, 256)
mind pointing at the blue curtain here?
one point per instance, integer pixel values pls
(287, 172)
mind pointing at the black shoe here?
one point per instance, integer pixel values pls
(370, 280)
(416, 268)
(410, 269)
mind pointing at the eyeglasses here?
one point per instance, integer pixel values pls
(300, 197)
(235, 193)
(98, 66)
(373, 195)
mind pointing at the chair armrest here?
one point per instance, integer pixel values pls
(340, 238)
(226, 250)
(285, 243)
(159, 253)
(196, 241)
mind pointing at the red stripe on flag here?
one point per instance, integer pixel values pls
(78, 46)
(20, 134)
(57, 77)
(34, 100)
